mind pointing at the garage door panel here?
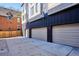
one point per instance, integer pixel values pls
(66, 34)
(39, 33)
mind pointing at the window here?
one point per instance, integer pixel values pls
(23, 18)
(34, 9)
(31, 3)
(18, 27)
(18, 20)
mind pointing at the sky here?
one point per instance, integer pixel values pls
(16, 6)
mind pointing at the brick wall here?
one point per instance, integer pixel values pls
(8, 24)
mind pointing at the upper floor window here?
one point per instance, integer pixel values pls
(34, 9)
(18, 20)
(23, 17)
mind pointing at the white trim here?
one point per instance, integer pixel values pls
(61, 7)
(23, 14)
(52, 5)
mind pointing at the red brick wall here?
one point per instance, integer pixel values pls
(8, 24)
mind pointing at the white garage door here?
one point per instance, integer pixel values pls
(66, 34)
(40, 33)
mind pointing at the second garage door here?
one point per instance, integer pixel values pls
(66, 34)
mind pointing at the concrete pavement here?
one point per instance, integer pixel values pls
(20, 46)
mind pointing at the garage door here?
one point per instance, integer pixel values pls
(39, 33)
(66, 34)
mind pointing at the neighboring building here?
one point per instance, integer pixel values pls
(54, 22)
(10, 20)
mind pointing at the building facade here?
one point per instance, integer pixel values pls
(54, 22)
(10, 22)
(9, 19)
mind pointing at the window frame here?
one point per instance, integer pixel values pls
(18, 19)
(23, 17)
(35, 13)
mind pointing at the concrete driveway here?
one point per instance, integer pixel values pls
(20, 46)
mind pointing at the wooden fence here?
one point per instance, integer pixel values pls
(6, 34)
